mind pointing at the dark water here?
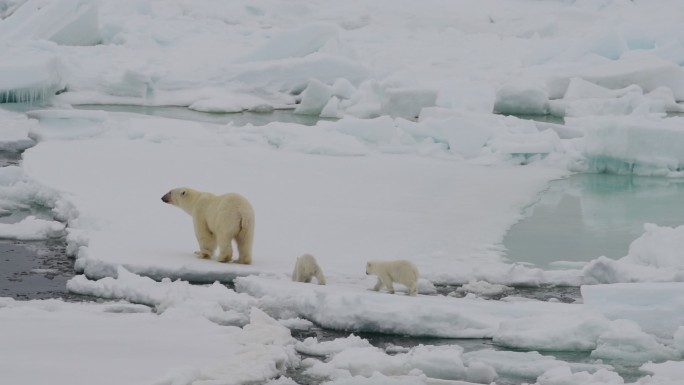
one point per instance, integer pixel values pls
(36, 270)
(9, 158)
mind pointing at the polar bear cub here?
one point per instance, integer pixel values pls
(388, 272)
(306, 268)
(218, 220)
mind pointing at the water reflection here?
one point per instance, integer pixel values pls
(588, 215)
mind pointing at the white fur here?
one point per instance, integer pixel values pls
(218, 220)
(388, 272)
(306, 268)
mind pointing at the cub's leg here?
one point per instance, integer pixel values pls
(378, 285)
(413, 289)
(388, 283)
(320, 277)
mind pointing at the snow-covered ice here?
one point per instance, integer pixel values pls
(415, 162)
(384, 188)
(31, 229)
(124, 343)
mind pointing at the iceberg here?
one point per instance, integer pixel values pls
(292, 75)
(407, 103)
(647, 72)
(34, 78)
(66, 22)
(641, 145)
(521, 98)
(297, 42)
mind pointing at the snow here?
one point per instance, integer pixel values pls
(563, 376)
(32, 229)
(627, 342)
(435, 316)
(283, 154)
(415, 162)
(435, 362)
(312, 347)
(526, 365)
(124, 343)
(21, 193)
(656, 307)
(15, 132)
(215, 302)
(669, 372)
(483, 289)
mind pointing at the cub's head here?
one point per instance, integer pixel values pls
(180, 197)
(369, 268)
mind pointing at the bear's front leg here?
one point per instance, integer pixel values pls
(206, 240)
(387, 281)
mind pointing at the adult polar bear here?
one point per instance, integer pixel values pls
(306, 268)
(388, 272)
(218, 219)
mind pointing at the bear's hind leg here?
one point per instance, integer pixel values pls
(244, 240)
(225, 249)
(206, 240)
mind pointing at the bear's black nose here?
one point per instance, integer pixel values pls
(165, 198)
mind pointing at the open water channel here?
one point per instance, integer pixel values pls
(575, 220)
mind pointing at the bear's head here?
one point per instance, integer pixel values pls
(181, 197)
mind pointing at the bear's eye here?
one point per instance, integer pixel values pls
(183, 193)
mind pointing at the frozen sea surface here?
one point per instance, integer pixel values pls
(416, 161)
